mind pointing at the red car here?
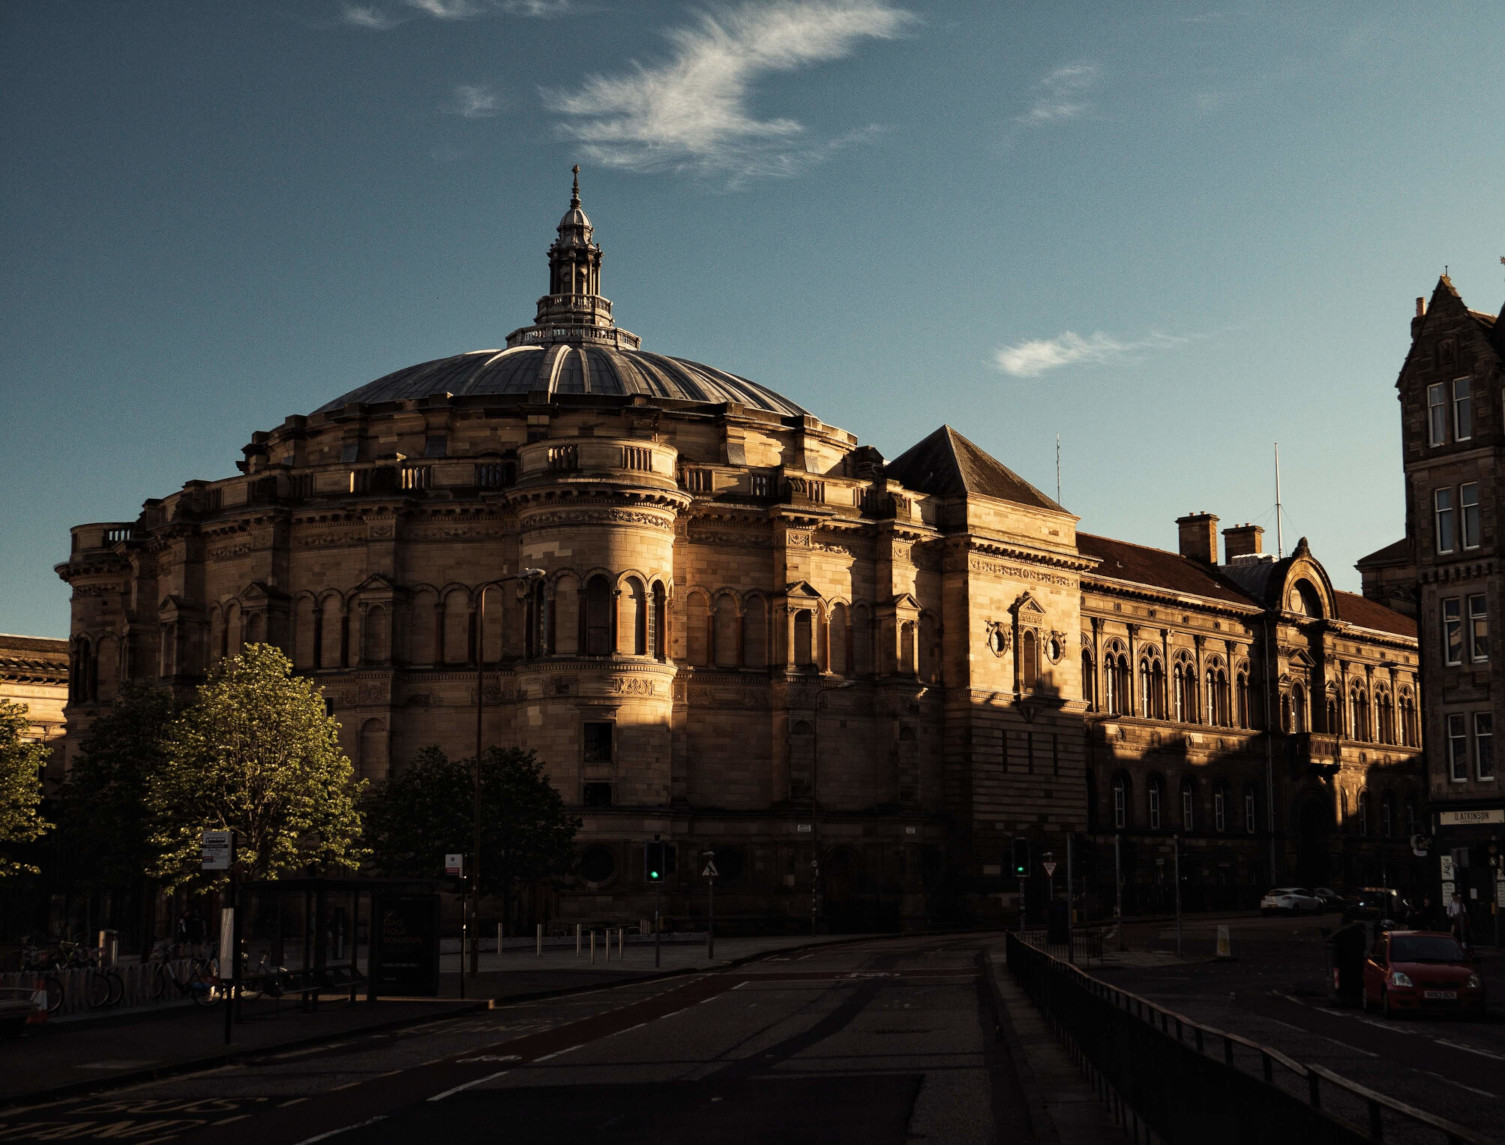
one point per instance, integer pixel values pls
(1419, 970)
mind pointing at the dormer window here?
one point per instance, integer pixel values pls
(1437, 414)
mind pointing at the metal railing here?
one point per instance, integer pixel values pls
(1169, 1079)
(1087, 942)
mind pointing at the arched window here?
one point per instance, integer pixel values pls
(1387, 815)
(698, 630)
(1358, 711)
(374, 635)
(906, 649)
(1088, 680)
(598, 626)
(658, 632)
(1251, 809)
(635, 618)
(840, 641)
(726, 633)
(1299, 721)
(1241, 699)
(1188, 805)
(1220, 807)
(1151, 685)
(1120, 801)
(1384, 707)
(1334, 712)
(569, 598)
(804, 638)
(1217, 694)
(1184, 688)
(537, 618)
(1362, 806)
(1029, 659)
(1408, 720)
(1154, 797)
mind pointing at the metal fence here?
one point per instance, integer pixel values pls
(1169, 1079)
(1087, 942)
(135, 989)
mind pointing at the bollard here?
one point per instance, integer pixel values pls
(621, 939)
(577, 940)
(498, 938)
(540, 940)
(1225, 950)
(593, 948)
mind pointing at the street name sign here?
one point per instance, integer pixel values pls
(454, 864)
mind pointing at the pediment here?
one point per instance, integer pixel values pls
(801, 590)
(1028, 610)
(260, 591)
(377, 583)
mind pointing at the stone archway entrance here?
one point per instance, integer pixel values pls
(1314, 827)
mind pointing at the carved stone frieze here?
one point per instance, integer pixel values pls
(1021, 572)
(552, 517)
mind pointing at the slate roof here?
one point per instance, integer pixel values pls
(946, 464)
(1366, 613)
(1395, 553)
(1123, 560)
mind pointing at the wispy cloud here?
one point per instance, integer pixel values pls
(368, 16)
(1031, 359)
(1061, 95)
(473, 101)
(690, 111)
(380, 17)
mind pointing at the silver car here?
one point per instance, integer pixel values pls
(1290, 900)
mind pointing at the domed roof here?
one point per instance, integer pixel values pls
(573, 347)
(567, 368)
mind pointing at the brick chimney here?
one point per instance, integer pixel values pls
(1199, 537)
(1421, 312)
(1242, 541)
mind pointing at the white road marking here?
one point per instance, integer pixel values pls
(1459, 1084)
(1469, 1049)
(1324, 1037)
(492, 1058)
(468, 1084)
(628, 1030)
(343, 1129)
(557, 1053)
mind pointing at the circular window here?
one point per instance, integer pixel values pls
(997, 642)
(597, 864)
(1053, 649)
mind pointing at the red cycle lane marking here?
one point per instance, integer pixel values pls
(335, 1110)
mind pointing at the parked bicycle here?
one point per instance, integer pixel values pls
(199, 980)
(105, 986)
(41, 961)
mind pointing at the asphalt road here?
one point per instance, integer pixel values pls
(1274, 994)
(887, 1041)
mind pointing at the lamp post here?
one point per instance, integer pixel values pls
(527, 576)
(815, 801)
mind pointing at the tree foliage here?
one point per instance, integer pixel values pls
(426, 811)
(255, 753)
(104, 821)
(21, 764)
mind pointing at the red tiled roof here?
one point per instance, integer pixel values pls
(1141, 564)
(1366, 613)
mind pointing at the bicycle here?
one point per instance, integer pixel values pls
(106, 988)
(38, 960)
(198, 982)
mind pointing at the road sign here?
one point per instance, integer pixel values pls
(1050, 869)
(710, 871)
(218, 851)
(454, 864)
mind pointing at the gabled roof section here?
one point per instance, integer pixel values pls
(1121, 560)
(1395, 553)
(1366, 613)
(946, 464)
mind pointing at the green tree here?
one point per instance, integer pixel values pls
(104, 811)
(21, 763)
(255, 753)
(426, 811)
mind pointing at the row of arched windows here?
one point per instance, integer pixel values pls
(1388, 822)
(1177, 696)
(1388, 721)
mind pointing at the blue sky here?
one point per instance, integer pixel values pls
(1173, 234)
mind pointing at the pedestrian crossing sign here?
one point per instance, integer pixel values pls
(710, 871)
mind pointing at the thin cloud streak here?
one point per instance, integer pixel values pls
(474, 101)
(1033, 358)
(1062, 95)
(379, 18)
(690, 112)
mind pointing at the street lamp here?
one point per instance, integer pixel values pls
(815, 798)
(527, 576)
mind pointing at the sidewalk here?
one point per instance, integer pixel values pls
(80, 1054)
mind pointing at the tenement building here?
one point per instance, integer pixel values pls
(720, 620)
(1454, 449)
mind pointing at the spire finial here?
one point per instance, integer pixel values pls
(575, 190)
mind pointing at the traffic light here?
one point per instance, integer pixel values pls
(658, 860)
(1021, 858)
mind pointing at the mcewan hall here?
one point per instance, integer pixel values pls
(848, 675)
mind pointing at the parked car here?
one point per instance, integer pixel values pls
(1421, 970)
(1377, 904)
(1290, 900)
(1331, 899)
